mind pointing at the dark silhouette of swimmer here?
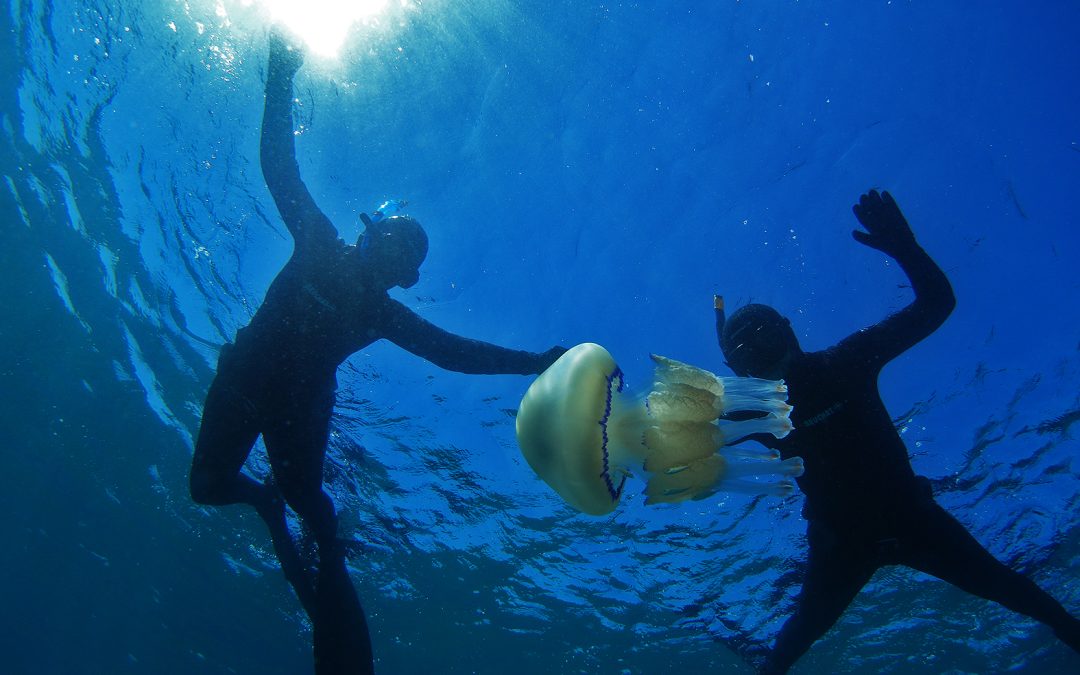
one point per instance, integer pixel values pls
(865, 506)
(279, 377)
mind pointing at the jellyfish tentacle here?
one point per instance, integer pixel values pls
(702, 478)
(793, 466)
(750, 452)
(735, 430)
(740, 403)
(781, 488)
(754, 387)
(741, 469)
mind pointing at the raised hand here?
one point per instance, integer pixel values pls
(285, 53)
(886, 228)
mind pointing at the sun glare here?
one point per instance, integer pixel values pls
(322, 24)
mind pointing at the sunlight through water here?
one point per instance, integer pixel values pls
(322, 24)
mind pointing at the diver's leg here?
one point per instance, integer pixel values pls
(230, 426)
(297, 446)
(296, 442)
(341, 639)
(941, 546)
(227, 433)
(297, 571)
(836, 572)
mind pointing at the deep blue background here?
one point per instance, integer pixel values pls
(586, 171)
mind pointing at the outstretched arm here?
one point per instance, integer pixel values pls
(463, 355)
(888, 231)
(302, 216)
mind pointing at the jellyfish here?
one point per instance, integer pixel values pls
(584, 433)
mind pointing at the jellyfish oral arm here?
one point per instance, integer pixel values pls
(690, 454)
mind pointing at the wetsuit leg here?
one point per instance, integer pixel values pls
(230, 426)
(837, 570)
(227, 433)
(296, 442)
(296, 439)
(938, 544)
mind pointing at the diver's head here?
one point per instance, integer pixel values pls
(759, 342)
(393, 250)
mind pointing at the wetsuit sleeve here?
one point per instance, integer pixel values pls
(411, 332)
(934, 301)
(307, 224)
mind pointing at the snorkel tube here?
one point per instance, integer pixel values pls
(385, 210)
(721, 318)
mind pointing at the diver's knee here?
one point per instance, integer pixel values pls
(204, 488)
(317, 510)
(199, 489)
(310, 501)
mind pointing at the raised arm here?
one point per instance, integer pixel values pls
(888, 231)
(463, 355)
(277, 152)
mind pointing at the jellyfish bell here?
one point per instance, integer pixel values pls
(571, 426)
(584, 433)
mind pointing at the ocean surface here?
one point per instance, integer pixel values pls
(586, 171)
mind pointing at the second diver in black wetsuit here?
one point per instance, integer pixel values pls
(865, 507)
(278, 379)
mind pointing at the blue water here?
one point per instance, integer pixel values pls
(586, 171)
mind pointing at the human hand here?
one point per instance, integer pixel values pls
(887, 229)
(550, 356)
(285, 53)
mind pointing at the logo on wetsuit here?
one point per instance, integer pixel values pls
(314, 293)
(823, 415)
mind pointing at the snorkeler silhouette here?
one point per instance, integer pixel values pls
(279, 377)
(865, 506)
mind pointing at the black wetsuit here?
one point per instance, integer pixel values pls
(865, 506)
(278, 380)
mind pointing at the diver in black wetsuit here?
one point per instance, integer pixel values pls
(865, 506)
(278, 379)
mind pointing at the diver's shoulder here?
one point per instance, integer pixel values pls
(391, 308)
(811, 364)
